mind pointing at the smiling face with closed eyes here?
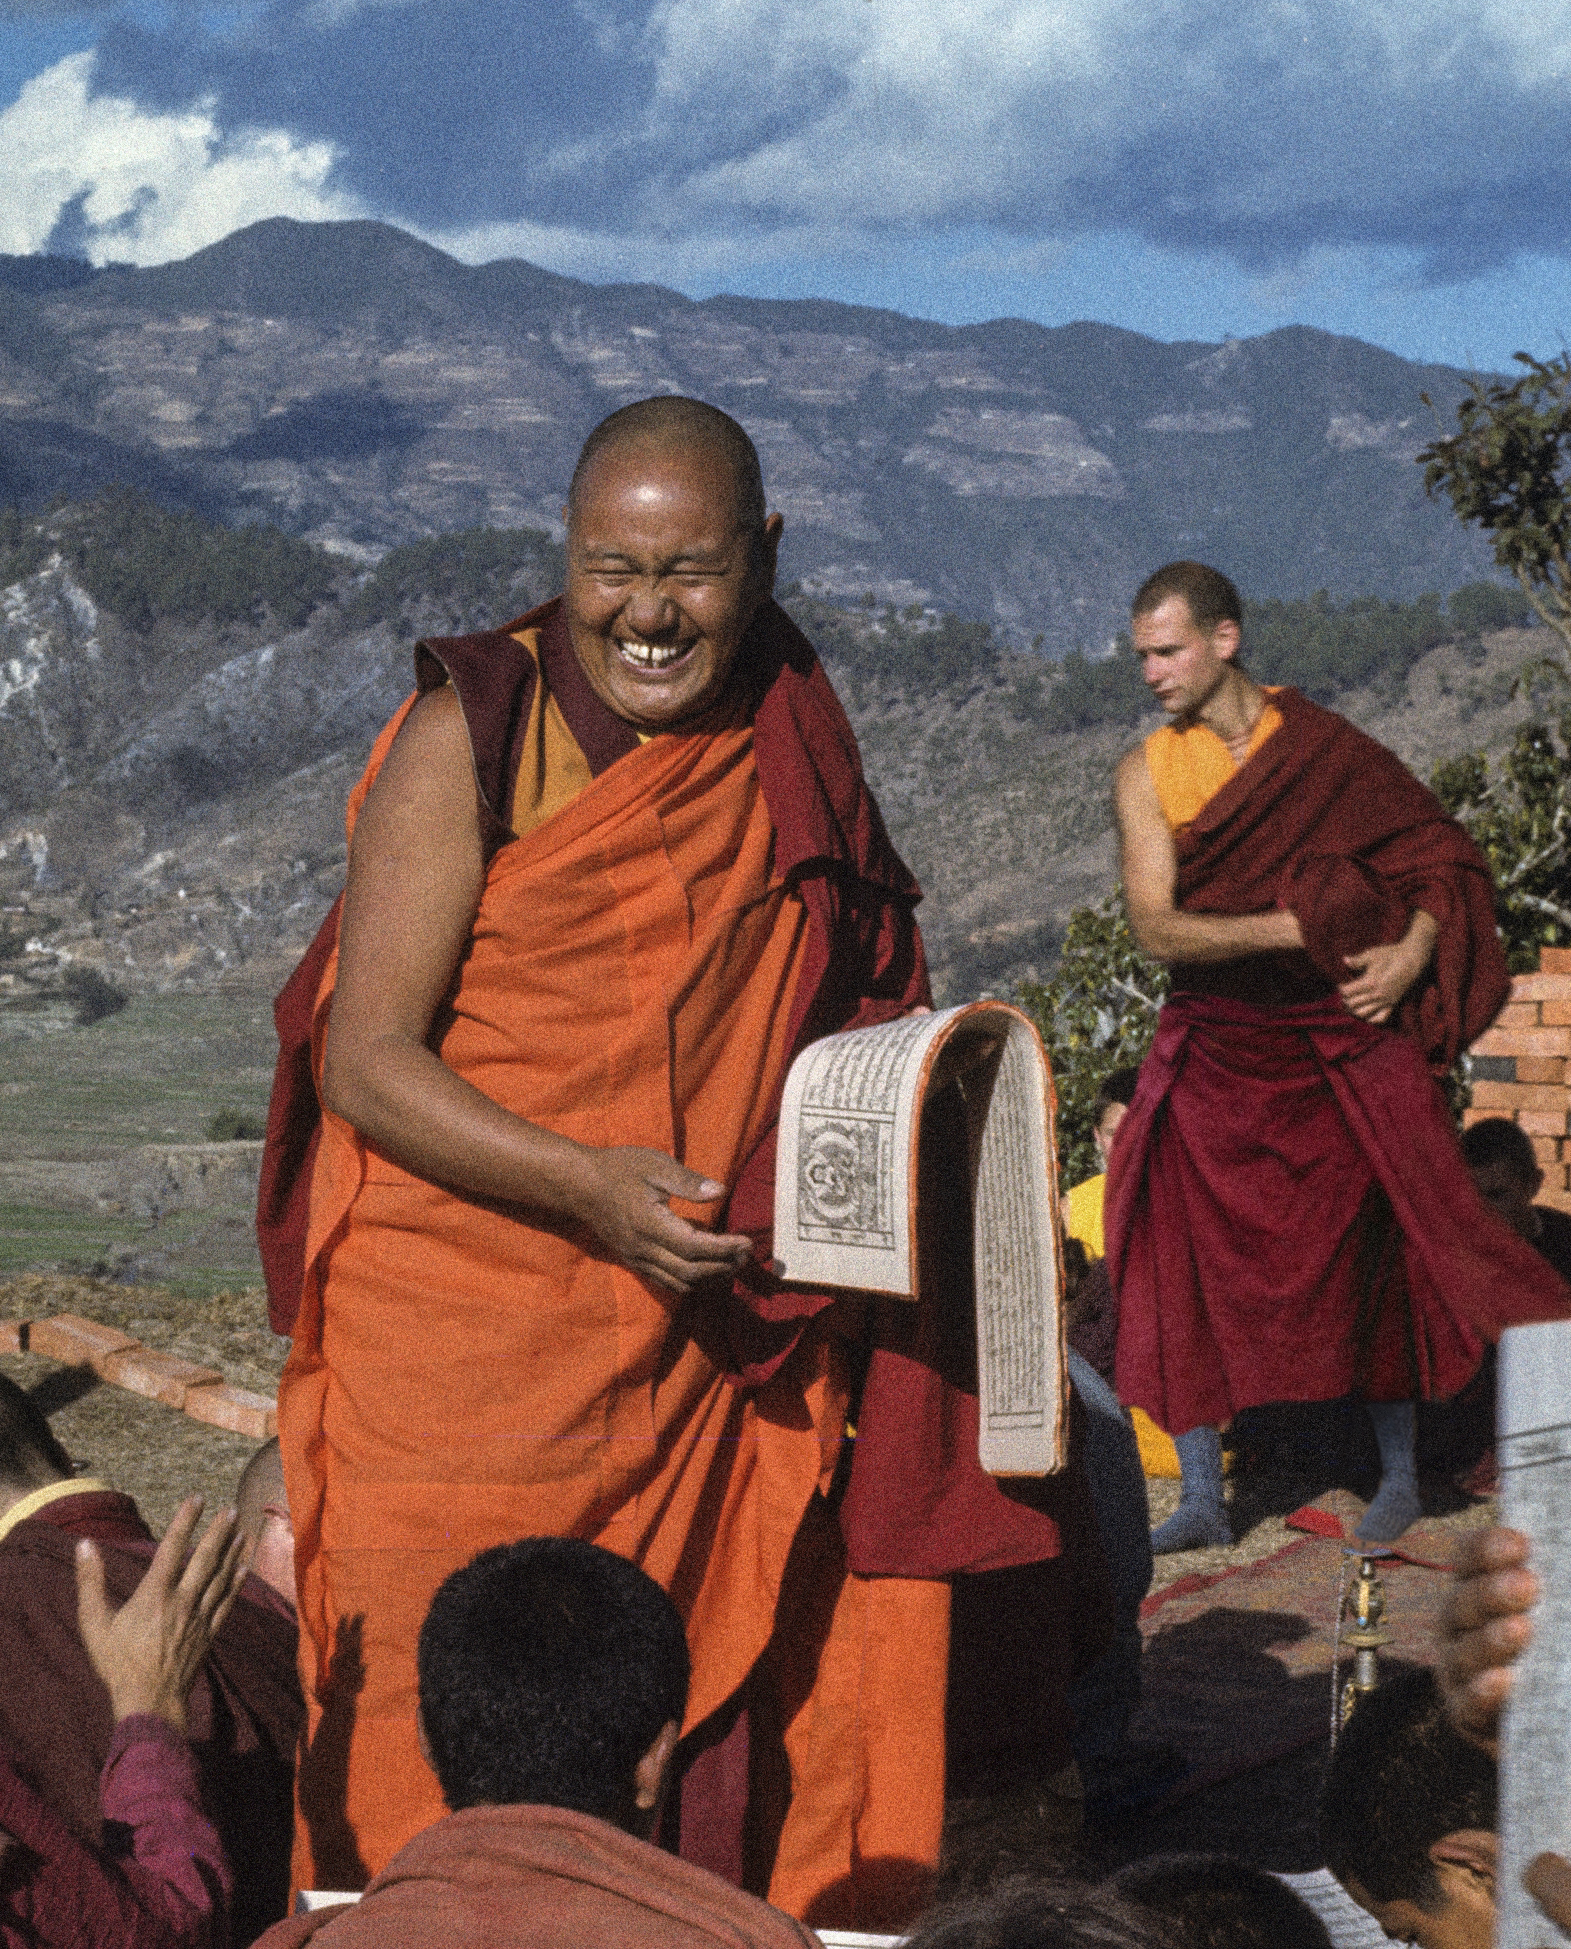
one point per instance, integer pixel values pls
(664, 576)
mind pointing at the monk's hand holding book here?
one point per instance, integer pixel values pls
(625, 1201)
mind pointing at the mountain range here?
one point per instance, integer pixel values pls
(360, 388)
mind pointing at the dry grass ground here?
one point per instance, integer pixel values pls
(151, 1452)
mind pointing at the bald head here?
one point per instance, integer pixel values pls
(262, 1507)
(671, 424)
(670, 557)
(30, 1456)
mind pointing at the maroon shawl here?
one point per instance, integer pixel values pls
(1327, 823)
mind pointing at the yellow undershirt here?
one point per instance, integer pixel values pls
(30, 1504)
(1188, 768)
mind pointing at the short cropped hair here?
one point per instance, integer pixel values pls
(670, 417)
(1041, 1912)
(1118, 1086)
(1220, 1903)
(1497, 1140)
(1211, 597)
(1400, 1779)
(547, 1670)
(30, 1453)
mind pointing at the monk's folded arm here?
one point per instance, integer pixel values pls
(416, 870)
(1149, 863)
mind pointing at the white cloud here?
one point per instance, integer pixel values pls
(152, 185)
(1292, 124)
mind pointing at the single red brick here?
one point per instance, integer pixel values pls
(1543, 1123)
(13, 1336)
(1523, 1042)
(160, 1376)
(234, 1408)
(82, 1343)
(1506, 1099)
(1554, 960)
(1521, 1015)
(1541, 1069)
(1541, 988)
(1554, 1015)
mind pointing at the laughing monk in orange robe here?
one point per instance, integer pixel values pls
(609, 869)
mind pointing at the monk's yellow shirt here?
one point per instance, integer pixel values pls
(1083, 1214)
(1188, 768)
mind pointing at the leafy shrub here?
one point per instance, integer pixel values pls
(472, 578)
(1096, 1014)
(231, 1126)
(145, 564)
(1520, 815)
(1478, 606)
(92, 995)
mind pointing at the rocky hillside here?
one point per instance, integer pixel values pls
(172, 784)
(352, 384)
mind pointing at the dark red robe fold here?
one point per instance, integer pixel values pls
(1289, 1217)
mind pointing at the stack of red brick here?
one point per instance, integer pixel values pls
(1522, 1068)
(200, 1392)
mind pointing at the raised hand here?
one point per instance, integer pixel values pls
(148, 1651)
(625, 1202)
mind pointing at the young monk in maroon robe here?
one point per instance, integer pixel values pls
(1290, 1216)
(609, 869)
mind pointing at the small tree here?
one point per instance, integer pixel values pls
(1096, 1014)
(1503, 470)
(1520, 816)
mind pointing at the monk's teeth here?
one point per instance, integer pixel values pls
(653, 656)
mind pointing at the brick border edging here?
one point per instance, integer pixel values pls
(200, 1392)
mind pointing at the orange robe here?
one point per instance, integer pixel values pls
(460, 1377)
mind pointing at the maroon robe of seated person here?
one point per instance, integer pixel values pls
(244, 1714)
(1289, 1217)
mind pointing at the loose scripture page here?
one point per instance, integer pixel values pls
(843, 1174)
(1019, 1327)
(1533, 1447)
(845, 1197)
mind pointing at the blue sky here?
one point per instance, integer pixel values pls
(1394, 169)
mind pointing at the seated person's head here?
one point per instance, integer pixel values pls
(30, 1456)
(1505, 1170)
(262, 1509)
(1220, 1903)
(1107, 1112)
(553, 1674)
(1043, 1912)
(1407, 1818)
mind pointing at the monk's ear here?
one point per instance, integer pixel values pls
(767, 552)
(1469, 1852)
(1226, 639)
(649, 1776)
